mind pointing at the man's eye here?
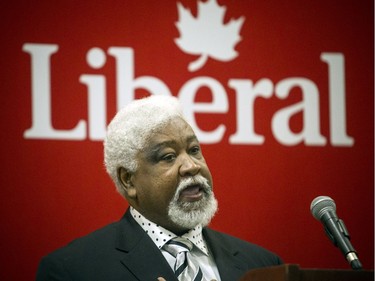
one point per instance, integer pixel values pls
(195, 150)
(168, 157)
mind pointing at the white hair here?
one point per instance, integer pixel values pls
(130, 129)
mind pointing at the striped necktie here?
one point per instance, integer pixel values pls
(185, 269)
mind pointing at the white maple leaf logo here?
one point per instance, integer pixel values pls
(207, 35)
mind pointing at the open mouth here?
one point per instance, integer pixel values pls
(192, 193)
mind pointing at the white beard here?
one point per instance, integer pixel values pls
(190, 214)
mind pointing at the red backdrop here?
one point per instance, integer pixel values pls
(310, 62)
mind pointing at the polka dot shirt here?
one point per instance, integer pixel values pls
(160, 235)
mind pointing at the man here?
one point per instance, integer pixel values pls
(156, 163)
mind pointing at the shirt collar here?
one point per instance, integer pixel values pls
(160, 235)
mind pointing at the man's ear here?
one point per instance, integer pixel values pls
(125, 177)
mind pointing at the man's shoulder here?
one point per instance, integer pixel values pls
(103, 237)
(94, 256)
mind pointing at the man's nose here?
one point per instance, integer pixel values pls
(189, 167)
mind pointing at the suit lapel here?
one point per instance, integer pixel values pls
(143, 259)
(229, 265)
(140, 255)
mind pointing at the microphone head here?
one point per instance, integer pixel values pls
(321, 205)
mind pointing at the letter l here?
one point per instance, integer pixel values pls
(337, 110)
(41, 97)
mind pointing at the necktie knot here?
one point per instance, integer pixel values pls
(178, 245)
(184, 268)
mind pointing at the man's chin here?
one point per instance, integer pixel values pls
(190, 214)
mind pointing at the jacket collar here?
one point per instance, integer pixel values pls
(140, 254)
(230, 266)
(146, 262)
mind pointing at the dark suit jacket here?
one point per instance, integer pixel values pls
(123, 251)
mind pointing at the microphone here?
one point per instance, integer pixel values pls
(323, 208)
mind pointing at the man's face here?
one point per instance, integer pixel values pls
(172, 156)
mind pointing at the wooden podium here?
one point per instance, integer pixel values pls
(292, 272)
